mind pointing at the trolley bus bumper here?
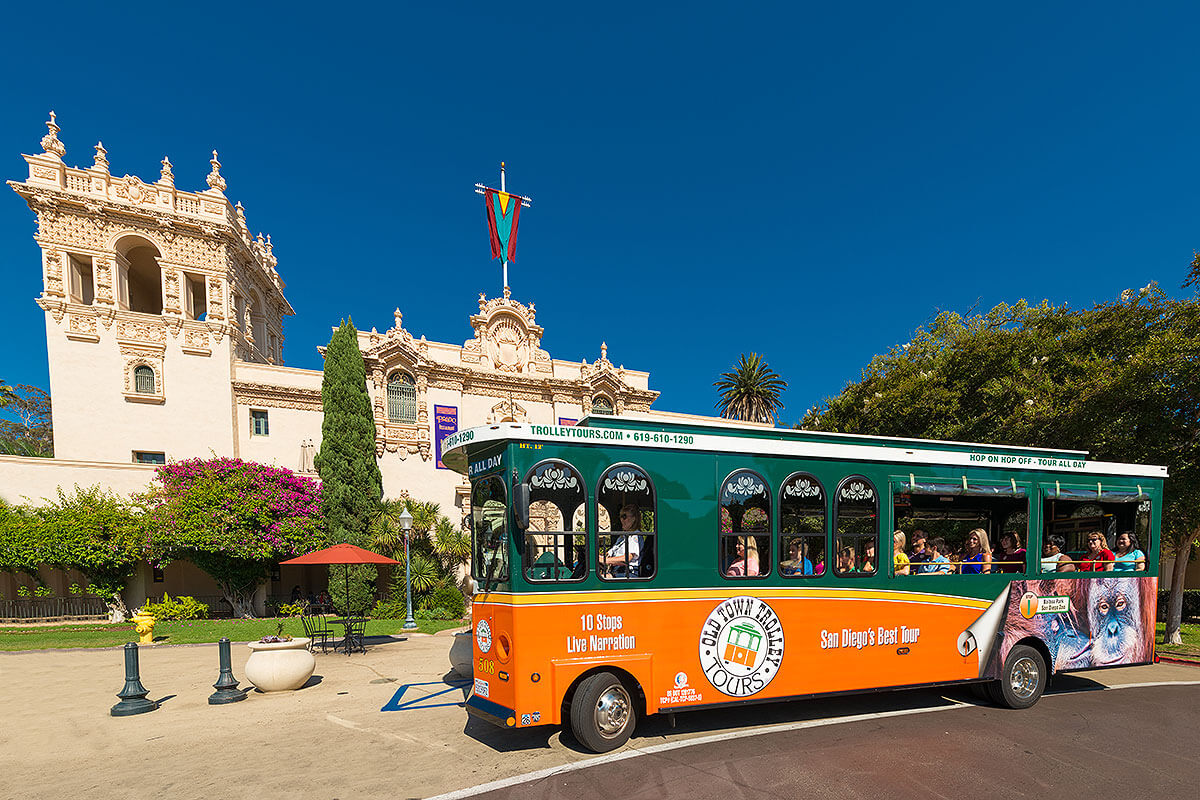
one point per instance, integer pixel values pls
(491, 712)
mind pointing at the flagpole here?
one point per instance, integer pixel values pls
(503, 260)
(525, 201)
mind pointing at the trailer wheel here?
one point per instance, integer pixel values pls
(602, 713)
(1023, 678)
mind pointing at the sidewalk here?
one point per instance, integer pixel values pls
(329, 740)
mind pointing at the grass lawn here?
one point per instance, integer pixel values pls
(97, 634)
(1191, 640)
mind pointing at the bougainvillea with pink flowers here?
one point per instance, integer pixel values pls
(233, 519)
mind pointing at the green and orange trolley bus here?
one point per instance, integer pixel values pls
(629, 566)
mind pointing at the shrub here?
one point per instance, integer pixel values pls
(388, 609)
(435, 613)
(178, 608)
(291, 609)
(446, 599)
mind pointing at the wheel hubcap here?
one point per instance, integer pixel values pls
(612, 711)
(1025, 678)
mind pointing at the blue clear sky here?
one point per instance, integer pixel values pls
(808, 181)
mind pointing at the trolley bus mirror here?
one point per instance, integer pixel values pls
(521, 505)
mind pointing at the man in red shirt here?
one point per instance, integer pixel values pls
(1098, 557)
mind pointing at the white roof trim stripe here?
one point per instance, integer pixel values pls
(695, 442)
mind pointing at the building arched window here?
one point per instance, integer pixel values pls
(601, 405)
(143, 379)
(402, 398)
(745, 525)
(625, 495)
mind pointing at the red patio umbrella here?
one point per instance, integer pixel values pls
(341, 554)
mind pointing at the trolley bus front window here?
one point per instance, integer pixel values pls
(489, 526)
(557, 495)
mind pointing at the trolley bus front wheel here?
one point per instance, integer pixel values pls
(1023, 678)
(603, 714)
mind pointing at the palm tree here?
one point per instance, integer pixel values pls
(751, 391)
(385, 531)
(452, 544)
(425, 515)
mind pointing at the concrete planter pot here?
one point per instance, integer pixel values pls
(462, 654)
(280, 666)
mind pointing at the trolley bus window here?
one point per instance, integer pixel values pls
(801, 527)
(745, 522)
(1120, 516)
(552, 553)
(857, 513)
(489, 526)
(626, 520)
(984, 525)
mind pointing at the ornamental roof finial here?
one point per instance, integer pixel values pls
(50, 142)
(399, 319)
(215, 181)
(167, 177)
(604, 351)
(101, 157)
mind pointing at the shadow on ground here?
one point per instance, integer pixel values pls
(660, 727)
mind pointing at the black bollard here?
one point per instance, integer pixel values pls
(226, 685)
(133, 696)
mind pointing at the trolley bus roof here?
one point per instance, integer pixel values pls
(646, 431)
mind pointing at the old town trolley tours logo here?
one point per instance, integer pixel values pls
(741, 646)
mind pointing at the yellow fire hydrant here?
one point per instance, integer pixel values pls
(145, 627)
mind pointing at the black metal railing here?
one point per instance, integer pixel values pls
(47, 609)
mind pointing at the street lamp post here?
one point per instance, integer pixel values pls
(410, 624)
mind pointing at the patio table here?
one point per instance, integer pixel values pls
(353, 640)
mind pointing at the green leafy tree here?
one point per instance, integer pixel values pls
(351, 486)
(1118, 380)
(99, 534)
(22, 546)
(233, 519)
(751, 392)
(27, 431)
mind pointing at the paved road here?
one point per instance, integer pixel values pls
(1077, 743)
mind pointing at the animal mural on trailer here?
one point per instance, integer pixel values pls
(1083, 622)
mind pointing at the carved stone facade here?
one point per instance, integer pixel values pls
(165, 338)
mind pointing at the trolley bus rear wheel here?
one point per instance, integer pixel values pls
(1023, 678)
(602, 713)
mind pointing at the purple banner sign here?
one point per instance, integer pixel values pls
(565, 421)
(445, 423)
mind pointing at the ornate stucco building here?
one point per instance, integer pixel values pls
(164, 329)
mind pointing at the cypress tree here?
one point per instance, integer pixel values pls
(351, 486)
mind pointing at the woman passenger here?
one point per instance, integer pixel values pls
(1097, 557)
(900, 563)
(1009, 556)
(1053, 558)
(745, 561)
(1128, 557)
(977, 558)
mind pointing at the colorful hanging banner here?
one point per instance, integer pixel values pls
(503, 211)
(445, 423)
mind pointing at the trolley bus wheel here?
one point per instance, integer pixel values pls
(1023, 678)
(602, 713)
